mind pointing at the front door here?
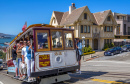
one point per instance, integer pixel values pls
(95, 44)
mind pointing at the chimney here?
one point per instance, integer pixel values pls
(71, 8)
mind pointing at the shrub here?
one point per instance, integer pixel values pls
(106, 49)
(87, 49)
(90, 49)
(112, 45)
(106, 46)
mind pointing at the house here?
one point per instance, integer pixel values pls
(97, 28)
(123, 27)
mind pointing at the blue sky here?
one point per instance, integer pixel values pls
(14, 13)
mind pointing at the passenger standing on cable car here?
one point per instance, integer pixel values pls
(19, 57)
(22, 65)
(24, 57)
(14, 56)
(28, 49)
(79, 48)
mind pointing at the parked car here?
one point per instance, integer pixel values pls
(126, 48)
(1, 64)
(113, 51)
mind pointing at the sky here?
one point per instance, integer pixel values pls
(14, 13)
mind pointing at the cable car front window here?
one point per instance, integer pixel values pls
(57, 39)
(42, 40)
(68, 40)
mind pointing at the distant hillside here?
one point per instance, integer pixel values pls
(7, 35)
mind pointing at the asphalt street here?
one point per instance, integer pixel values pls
(104, 70)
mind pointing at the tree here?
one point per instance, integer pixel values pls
(2, 55)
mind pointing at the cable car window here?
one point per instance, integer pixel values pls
(57, 40)
(42, 40)
(68, 36)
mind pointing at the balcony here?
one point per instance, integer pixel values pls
(122, 33)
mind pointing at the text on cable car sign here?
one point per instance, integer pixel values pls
(44, 60)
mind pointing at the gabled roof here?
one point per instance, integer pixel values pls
(101, 16)
(58, 16)
(71, 18)
(64, 18)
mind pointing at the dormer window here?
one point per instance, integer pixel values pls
(108, 18)
(54, 20)
(85, 15)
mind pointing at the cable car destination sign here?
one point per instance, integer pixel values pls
(44, 60)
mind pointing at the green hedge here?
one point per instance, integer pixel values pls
(108, 45)
(87, 50)
(89, 53)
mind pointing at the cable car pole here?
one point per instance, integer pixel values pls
(31, 55)
(83, 45)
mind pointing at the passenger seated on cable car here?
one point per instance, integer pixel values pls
(59, 44)
(40, 46)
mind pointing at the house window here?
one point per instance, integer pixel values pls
(87, 42)
(118, 29)
(81, 28)
(111, 29)
(108, 18)
(124, 18)
(107, 40)
(54, 20)
(128, 30)
(110, 40)
(88, 30)
(85, 28)
(128, 19)
(85, 15)
(117, 17)
(108, 28)
(105, 29)
(124, 29)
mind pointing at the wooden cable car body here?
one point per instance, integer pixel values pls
(54, 51)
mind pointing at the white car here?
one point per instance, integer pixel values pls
(1, 64)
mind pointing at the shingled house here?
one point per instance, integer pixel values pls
(97, 28)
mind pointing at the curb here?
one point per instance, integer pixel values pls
(93, 58)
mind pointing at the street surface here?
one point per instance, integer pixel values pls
(103, 70)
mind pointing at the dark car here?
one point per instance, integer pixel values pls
(113, 51)
(126, 48)
(1, 64)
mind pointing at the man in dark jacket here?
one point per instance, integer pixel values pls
(14, 56)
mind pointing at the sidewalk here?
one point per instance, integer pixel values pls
(92, 56)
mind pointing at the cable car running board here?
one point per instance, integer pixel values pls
(55, 79)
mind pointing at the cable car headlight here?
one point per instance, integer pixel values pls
(58, 59)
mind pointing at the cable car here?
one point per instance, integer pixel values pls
(54, 52)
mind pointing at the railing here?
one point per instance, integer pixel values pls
(122, 33)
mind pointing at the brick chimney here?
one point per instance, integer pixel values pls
(71, 8)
